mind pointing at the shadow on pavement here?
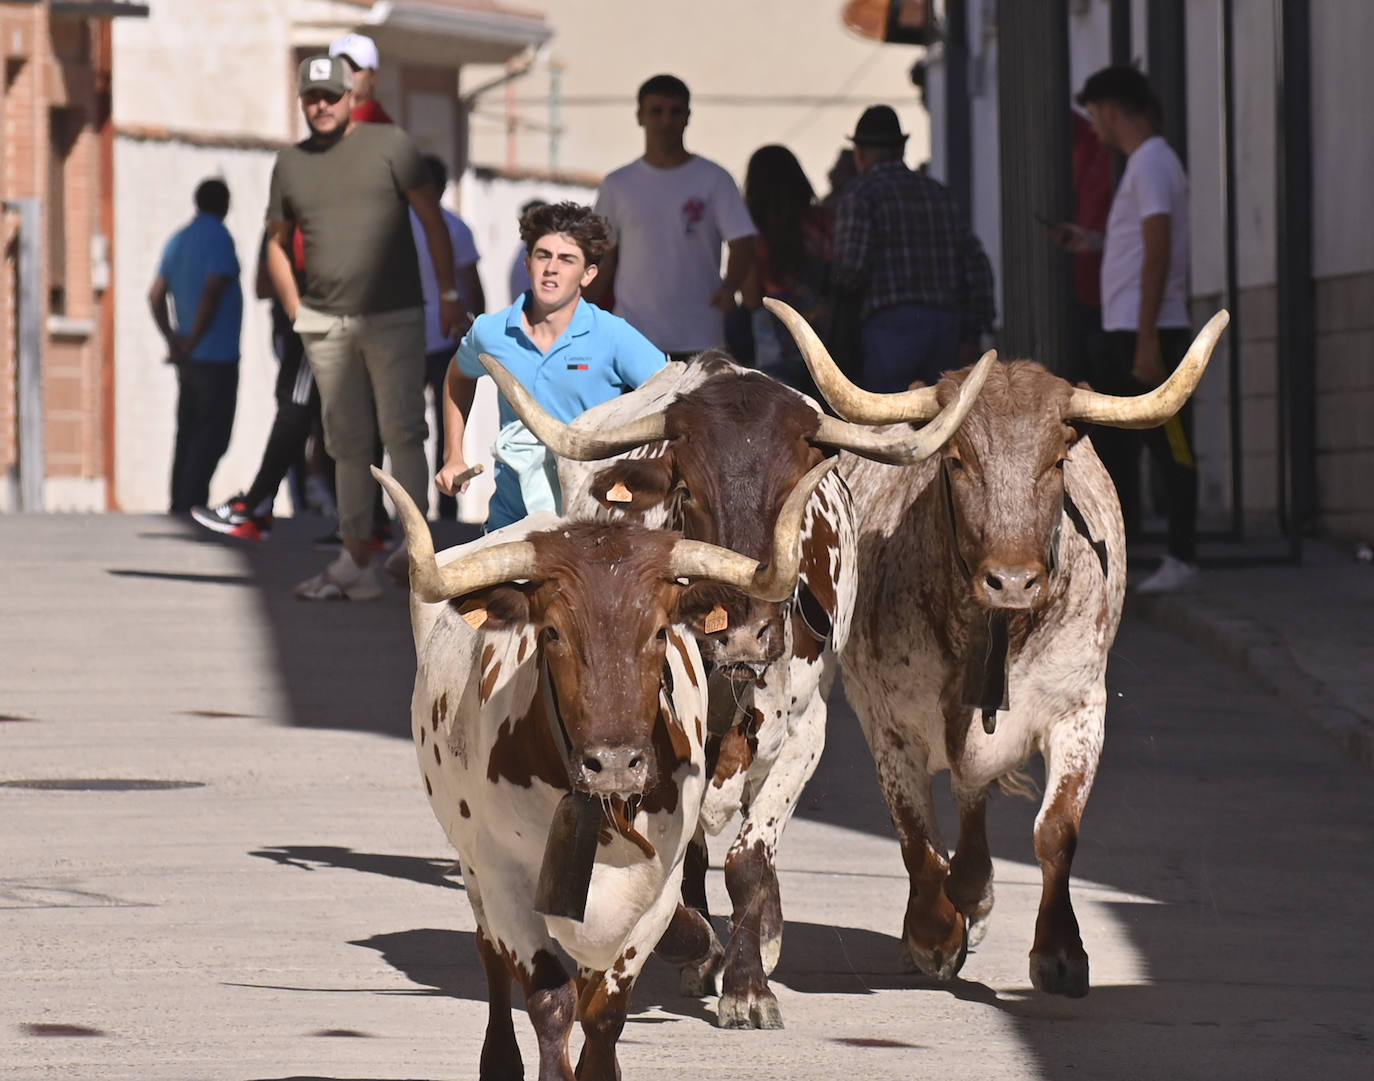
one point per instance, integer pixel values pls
(427, 872)
(1206, 803)
(343, 665)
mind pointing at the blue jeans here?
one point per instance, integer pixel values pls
(907, 343)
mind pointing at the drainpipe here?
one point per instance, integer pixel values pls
(1033, 104)
(1296, 315)
(32, 457)
(105, 299)
(1234, 337)
(958, 155)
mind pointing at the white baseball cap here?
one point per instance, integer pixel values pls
(359, 48)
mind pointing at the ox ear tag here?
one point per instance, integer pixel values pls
(474, 613)
(566, 874)
(716, 620)
(619, 493)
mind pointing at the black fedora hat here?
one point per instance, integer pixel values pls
(878, 126)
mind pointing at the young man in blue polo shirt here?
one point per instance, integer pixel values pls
(569, 353)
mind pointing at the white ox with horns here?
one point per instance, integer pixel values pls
(559, 715)
(713, 449)
(991, 587)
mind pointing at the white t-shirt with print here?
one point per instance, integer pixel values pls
(668, 226)
(1153, 183)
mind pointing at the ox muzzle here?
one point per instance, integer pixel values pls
(604, 770)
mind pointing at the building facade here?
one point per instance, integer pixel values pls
(56, 180)
(1285, 414)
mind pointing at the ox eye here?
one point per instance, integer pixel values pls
(954, 464)
(551, 634)
(662, 634)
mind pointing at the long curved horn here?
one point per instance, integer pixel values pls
(1152, 409)
(771, 581)
(563, 439)
(851, 402)
(484, 567)
(915, 445)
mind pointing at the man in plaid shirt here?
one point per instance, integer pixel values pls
(902, 245)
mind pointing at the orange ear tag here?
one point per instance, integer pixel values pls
(619, 493)
(716, 620)
(475, 616)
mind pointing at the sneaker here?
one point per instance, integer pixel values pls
(342, 580)
(235, 518)
(1172, 574)
(331, 542)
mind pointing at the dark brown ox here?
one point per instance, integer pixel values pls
(722, 455)
(991, 587)
(552, 661)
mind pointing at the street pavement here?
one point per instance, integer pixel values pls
(285, 908)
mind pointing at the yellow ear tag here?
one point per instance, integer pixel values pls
(475, 617)
(716, 620)
(619, 493)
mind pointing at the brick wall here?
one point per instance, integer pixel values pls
(50, 65)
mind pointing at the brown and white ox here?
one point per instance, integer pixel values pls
(991, 586)
(717, 448)
(554, 661)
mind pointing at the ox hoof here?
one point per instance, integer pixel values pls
(938, 963)
(749, 1011)
(703, 979)
(1060, 973)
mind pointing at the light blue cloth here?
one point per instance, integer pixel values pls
(534, 466)
(202, 248)
(597, 358)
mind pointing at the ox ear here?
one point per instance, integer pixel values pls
(494, 608)
(634, 484)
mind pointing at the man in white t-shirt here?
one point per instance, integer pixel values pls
(670, 211)
(439, 347)
(1144, 305)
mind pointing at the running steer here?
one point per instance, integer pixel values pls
(991, 583)
(718, 450)
(556, 668)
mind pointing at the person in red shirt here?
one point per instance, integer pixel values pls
(360, 52)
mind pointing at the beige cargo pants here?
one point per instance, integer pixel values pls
(371, 373)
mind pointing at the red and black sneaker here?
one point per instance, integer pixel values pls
(235, 518)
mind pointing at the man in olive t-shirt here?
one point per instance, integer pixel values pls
(349, 188)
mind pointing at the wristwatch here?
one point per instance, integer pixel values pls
(450, 294)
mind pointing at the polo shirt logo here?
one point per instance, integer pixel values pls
(578, 366)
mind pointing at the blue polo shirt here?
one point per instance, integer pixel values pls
(202, 248)
(598, 357)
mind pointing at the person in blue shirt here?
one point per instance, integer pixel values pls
(565, 350)
(200, 272)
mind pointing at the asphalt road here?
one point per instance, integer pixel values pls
(288, 914)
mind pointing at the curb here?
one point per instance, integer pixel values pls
(1252, 648)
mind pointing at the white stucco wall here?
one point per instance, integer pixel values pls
(751, 53)
(150, 205)
(214, 68)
